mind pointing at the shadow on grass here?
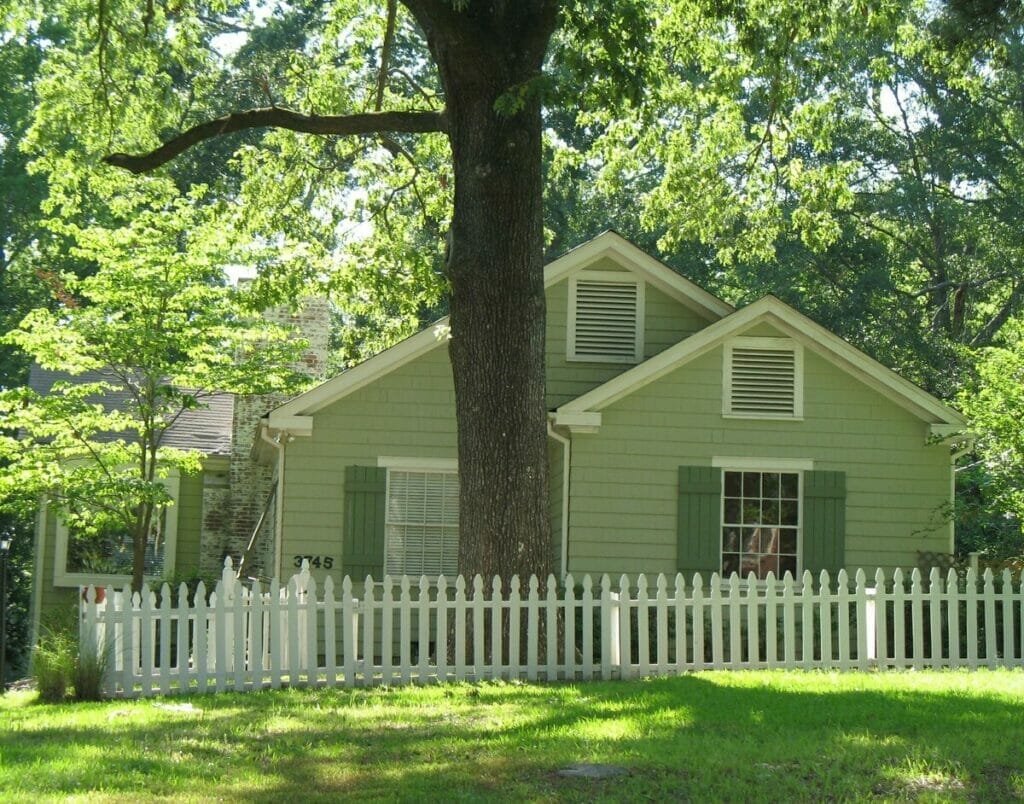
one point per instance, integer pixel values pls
(692, 737)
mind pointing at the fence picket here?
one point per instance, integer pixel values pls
(246, 638)
(460, 628)
(441, 640)
(423, 631)
(971, 614)
(642, 624)
(532, 607)
(935, 617)
(899, 644)
(990, 619)
(717, 659)
(807, 621)
(1006, 608)
(735, 633)
(824, 600)
(348, 637)
(569, 636)
(753, 623)
(551, 630)
(330, 629)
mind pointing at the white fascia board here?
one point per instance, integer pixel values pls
(578, 422)
(883, 379)
(662, 363)
(290, 423)
(366, 372)
(813, 336)
(636, 260)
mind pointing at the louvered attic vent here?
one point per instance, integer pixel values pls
(764, 382)
(604, 326)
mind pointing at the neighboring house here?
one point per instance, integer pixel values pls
(684, 435)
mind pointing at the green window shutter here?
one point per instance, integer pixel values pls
(363, 544)
(699, 535)
(824, 521)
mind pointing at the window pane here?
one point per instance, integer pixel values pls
(790, 486)
(751, 512)
(771, 484)
(730, 563)
(770, 512)
(751, 540)
(787, 564)
(750, 564)
(730, 540)
(751, 484)
(733, 486)
(768, 564)
(787, 542)
(788, 512)
(732, 511)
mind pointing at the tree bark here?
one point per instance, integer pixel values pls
(495, 266)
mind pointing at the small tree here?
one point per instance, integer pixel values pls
(160, 331)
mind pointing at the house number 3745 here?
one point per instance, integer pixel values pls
(317, 562)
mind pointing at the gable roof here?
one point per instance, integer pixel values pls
(207, 430)
(813, 336)
(608, 244)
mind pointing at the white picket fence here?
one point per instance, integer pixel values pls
(400, 632)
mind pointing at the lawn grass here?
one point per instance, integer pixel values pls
(779, 736)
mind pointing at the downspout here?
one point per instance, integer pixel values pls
(566, 463)
(966, 445)
(278, 444)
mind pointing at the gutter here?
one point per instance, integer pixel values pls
(566, 464)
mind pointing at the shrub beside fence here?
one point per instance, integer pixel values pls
(244, 637)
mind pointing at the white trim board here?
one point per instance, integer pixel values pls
(745, 464)
(608, 244)
(797, 326)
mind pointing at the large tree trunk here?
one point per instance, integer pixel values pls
(496, 270)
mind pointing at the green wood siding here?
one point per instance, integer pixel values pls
(190, 523)
(409, 413)
(666, 322)
(699, 532)
(624, 503)
(365, 503)
(824, 525)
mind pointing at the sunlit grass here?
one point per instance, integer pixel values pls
(709, 736)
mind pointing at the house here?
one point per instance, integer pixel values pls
(684, 435)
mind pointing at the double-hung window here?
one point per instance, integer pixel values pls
(760, 522)
(421, 525)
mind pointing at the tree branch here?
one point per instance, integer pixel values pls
(274, 117)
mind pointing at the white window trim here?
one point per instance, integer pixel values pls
(749, 342)
(418, 464)
(616, 277)
(61, 577)
(402, 464)
(762, 465)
